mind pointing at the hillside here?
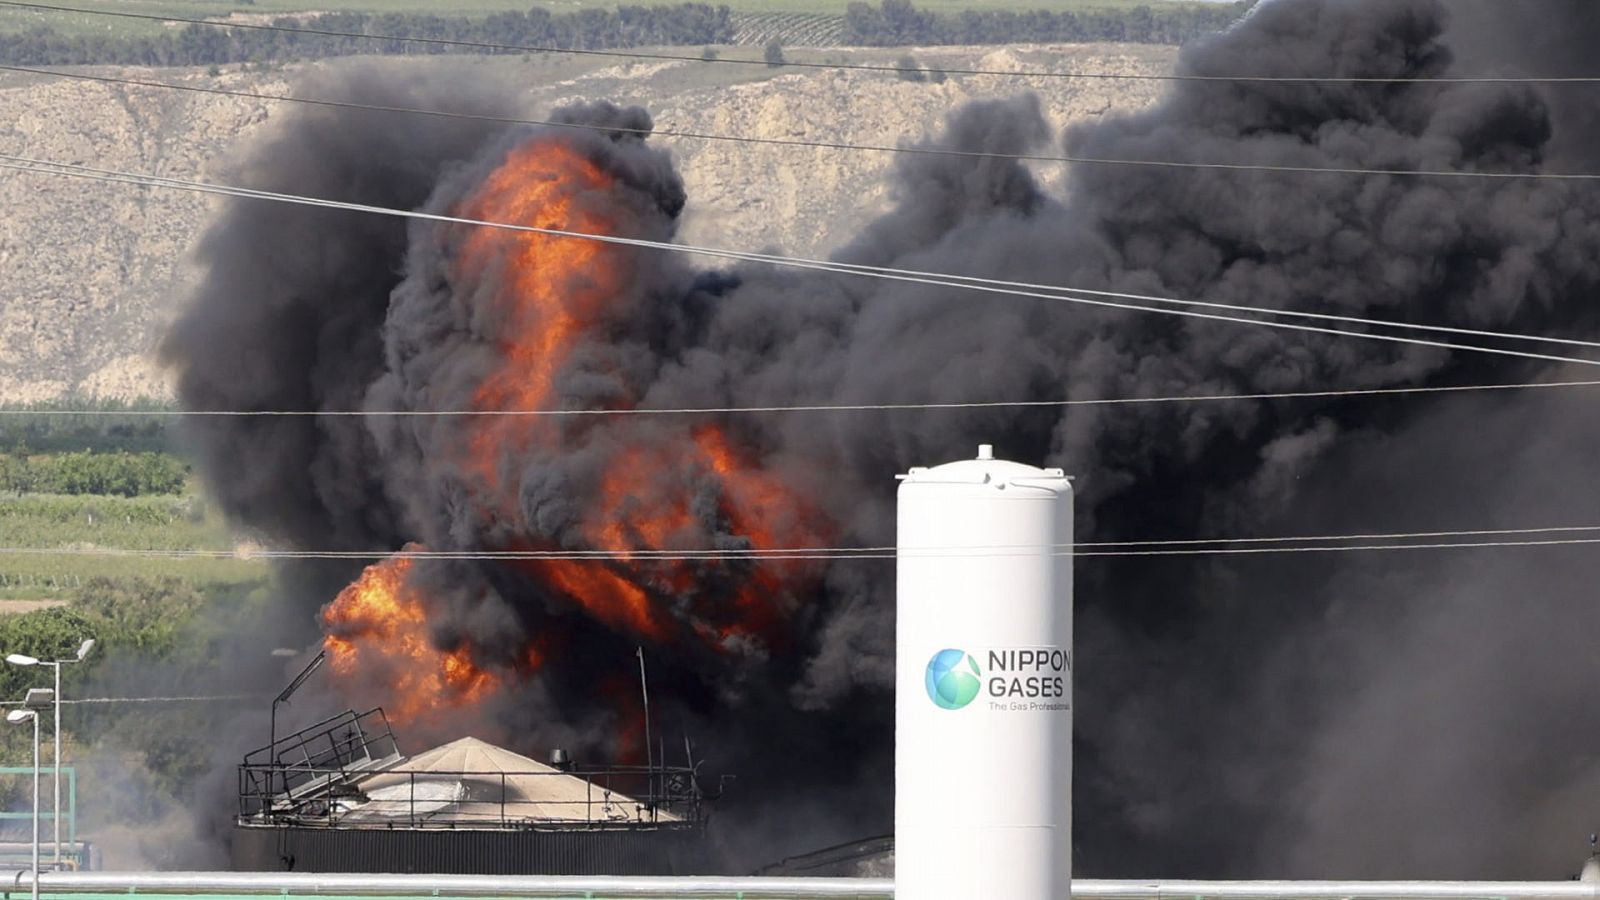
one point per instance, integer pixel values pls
(93, 270)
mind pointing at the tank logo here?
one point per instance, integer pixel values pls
(1036, 679)
(953, 679)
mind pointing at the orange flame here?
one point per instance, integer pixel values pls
(378, 625)
(551, 294)
(553, 288)
(768, 513)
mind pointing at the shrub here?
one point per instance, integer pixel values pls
(907, 69)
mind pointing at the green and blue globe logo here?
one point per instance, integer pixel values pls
(953, 678)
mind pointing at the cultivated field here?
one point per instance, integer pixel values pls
(85, 523)
(13, 18)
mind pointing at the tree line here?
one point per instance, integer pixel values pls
(153, 636)
(42, 427)
(202, 45)
(895, 23)
(890, 23)
(119, 474)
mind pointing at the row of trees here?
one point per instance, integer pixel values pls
(154, 636)
(201, 45)
(119, 474)
(890, 23)
(895, 23)
(94, 424)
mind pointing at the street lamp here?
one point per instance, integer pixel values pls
(272, 748)
(18, 659)
(38, 699)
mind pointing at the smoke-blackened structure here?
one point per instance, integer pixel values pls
(1239, 716)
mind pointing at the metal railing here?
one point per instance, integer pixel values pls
(69, 815)
(394, 796)
(317, 759)
(567, 887)
(288, 884)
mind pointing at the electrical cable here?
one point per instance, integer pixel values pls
(829, 557)
(797, 142)
(993, 286)
(1193, 546)
(820, 407)
(864, 67)
(200, 699)
(215, 698)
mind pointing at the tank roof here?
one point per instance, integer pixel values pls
(469, 780)
(986, 470)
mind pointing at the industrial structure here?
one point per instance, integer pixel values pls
(983, 684)
(339, 796)
(16, 837)
(983, 767)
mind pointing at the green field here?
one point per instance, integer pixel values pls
(85, 524)
(200, 8)
(13, 18)
(147, 613)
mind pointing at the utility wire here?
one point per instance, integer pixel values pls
(913, 276)
(909, 276)
(201, 699)
(862, 67)
(1338, 548)
(1547, 536)
(908, 554)
(821, 407)
(798, 142)
(217, 698)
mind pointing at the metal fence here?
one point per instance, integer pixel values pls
(449, 887)
(346, 771)
(16, 831)
(396, 796)
(317, 758)
(242, 884)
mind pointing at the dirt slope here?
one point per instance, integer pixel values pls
(90, 272)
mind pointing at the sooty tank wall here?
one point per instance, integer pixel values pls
(633, 851)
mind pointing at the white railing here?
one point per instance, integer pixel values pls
(715, 888)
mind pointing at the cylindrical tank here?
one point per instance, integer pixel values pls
(983, 702)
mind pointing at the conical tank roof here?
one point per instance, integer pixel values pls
(470, 780)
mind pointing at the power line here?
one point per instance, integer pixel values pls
(798, 142)
(903, 554)
(1326, 543)
(213, 698)
(820, 407)
(1341, 548)
(863, 67)
(986, 285)
(909, 276)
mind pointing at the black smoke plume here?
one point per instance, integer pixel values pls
(1417, 713)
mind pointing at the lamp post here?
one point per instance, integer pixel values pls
(272, 748)
(37, 699)
(18, 659)
(17, 717)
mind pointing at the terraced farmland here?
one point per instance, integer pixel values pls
(792, 29)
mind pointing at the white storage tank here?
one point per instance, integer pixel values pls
(983, 702)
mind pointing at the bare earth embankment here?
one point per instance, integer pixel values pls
(90, 272)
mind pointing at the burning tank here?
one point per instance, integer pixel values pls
(523, 548)
(338, 796)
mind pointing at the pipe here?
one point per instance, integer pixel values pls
(1334, 890)
(308, 883)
